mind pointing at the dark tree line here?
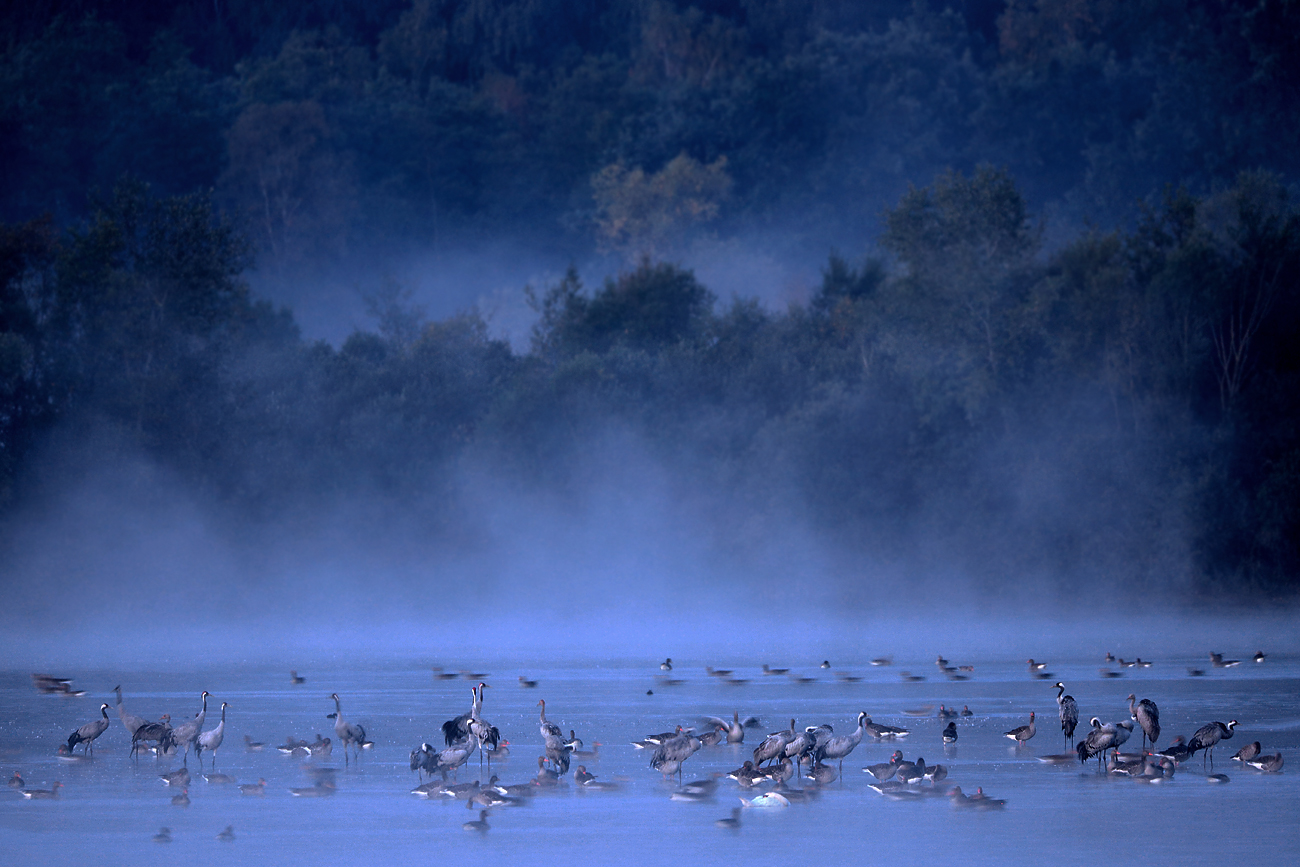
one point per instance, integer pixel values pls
(1122, 403)
(332, 129)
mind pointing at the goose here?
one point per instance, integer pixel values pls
(946, 712)
(731, 823)
(545, 776)
(183, 799)
(950, 733)
(258, 788)
(42, 794)
(349, 734)
(525, 683)
(164, 835)
(747, 775)
(1020, 734)
(212, 739)
(180, 778)
(16, 781)
(781, 771)
(322, 789)
(1268, 764)
(320, 747)
(823, 775)
(1177, 751)
(227, 835)
(1068, 711)
(1246, 753)
(769, 670)
(1217, 660)
(886, 770)
(767, 801)
(218, 779)
(87, 733)
(161, 732)
(582, 776)
(881, 732)
(735, 731)
(883, 660)
(295, 679)
(253, 746)
(1036, 666)
(966, 711)
(718, 672)
(480, 824)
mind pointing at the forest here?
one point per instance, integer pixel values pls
(1054, 339)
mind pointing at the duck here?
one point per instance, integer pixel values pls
(667, 664)
(16, 781)
(732, 822)
(183, 799)
(950, 733)
(164, 835)
(180, 777)
(227, 835)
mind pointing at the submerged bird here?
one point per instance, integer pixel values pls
(87, 733)
(731, 823)
(258, 788)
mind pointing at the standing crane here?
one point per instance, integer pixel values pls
(187, 733)
(86, 734)
(1207, 736)
(1068, 710)
(838, 747)
(211, 739)
(348, 733)
(1148, 717)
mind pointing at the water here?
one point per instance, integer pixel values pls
(110, 807)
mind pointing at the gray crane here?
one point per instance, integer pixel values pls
(486, 733)
(557, 748)
(1020, 734)
(457, 729)
(1102, 738)
(86, 734)
(1148, 717)
(1068, 710)
(668, 758)
(1207, 736)
(130, 721)
(838, 747)
(211, 739)
(349, 734)
(773, 746)
(187, 733)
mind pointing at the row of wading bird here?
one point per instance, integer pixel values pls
(814, 753)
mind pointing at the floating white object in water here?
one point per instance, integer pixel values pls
(771, 799)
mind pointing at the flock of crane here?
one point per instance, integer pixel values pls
(814, 753)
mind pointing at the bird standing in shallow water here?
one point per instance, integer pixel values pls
(86, 734)
(349, 734)
(1020, 734)
(1068, 711)
(1207, 736)
(1148, 717)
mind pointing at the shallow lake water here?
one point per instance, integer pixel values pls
(111, 806)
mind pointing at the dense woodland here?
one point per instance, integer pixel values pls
(1061, 338)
